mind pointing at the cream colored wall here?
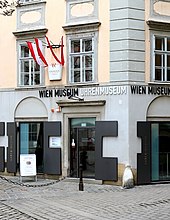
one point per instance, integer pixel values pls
(104, 42)
(55, 18)
(8, 78)
(161, 11)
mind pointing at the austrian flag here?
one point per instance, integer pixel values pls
(37, 52)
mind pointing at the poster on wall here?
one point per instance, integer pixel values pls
(54, 72)
(55, 142)
(27, 165)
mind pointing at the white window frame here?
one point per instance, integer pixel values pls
(30, 73)
(164, 54)
(82, 54)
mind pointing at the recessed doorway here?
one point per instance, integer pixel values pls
(160, 151)
(31, 141)
(82, 147)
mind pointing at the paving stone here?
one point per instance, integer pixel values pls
(62, 200)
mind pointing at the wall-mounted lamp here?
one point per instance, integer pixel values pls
(76, 98)
(58, 109)
(52, 110)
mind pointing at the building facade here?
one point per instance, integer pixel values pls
(95, 97)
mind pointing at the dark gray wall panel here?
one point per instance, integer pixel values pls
(52, 156)
(12, 148)
(143, 158)
(105, 168)
(2, 159)
(2, 128)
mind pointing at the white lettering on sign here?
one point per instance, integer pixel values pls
(99, 91)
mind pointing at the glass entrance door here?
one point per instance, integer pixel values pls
(160, 151)
(31, 141)
(82, 151)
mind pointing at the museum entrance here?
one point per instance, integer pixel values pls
(31, 141)
(160, 151)
(82, 147)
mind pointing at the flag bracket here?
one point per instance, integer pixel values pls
(55, 46)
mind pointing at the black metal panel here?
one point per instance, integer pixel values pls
(2, 128)
(105, 168)
(143, 158)
(2, 159)
(52, 156)
(12, 147)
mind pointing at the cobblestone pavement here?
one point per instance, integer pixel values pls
(63, 200)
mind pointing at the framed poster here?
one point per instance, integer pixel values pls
(54, 72)
(27, 165)
(55, 142)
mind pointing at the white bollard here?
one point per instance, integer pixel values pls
(127, 181)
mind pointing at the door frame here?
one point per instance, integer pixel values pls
(158, 154)
(78, 148)
(144, 159)
(66, 138)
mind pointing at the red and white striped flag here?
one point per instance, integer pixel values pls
(36, 52)
(61, 62)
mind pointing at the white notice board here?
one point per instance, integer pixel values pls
(27, 165)
(55, 142)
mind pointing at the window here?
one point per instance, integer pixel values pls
(162, 59)
(30, 73)
(81, 60)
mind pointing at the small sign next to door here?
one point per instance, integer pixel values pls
(27, 165)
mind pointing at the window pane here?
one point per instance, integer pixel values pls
(76, 62)
(88, 61)
(37, 79)
(36, 67)
(32, 79)
(25, 79)
(76, 76)
(158, 60)
(157, 74)
(87, 45)
(159, 43)
(168, 61)
(168, 74)
(88, 74)
(24, 51)
(75, 46)
(168, 44)
(24, 66)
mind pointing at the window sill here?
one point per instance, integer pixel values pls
(82, 85)
(159, 83)
(30, 88)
